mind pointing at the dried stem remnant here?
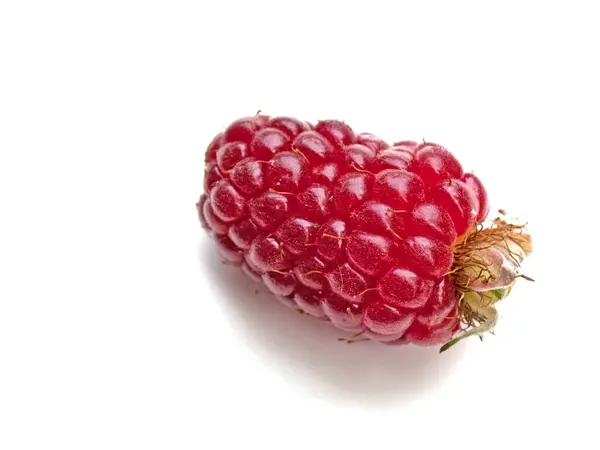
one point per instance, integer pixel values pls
(487, 261)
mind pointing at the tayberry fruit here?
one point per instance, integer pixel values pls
(385, 240)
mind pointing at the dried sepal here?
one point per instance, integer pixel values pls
(487, 262)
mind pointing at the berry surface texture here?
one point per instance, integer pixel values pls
(390, 242)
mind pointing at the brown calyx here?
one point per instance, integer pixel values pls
(487, 262)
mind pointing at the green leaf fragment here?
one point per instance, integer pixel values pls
(449, 344)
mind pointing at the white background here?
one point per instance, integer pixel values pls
(120, 329)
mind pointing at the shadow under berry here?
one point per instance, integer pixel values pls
(308, 353)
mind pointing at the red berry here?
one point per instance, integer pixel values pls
(293, 127)
(359, 156)
(454, 197)
(431, 220)
(398, 188)
(427, 257)
(326, 173)
(212, 175)
(474, 185)
(379, 218)
(212, 148)
(226, 202)
(420, 334)
(309, 302)
(243, 232)
(330, 240)
(266, 254)
(242, 130)
(313, 146)
(214, 223)
(280, 283)
(248, 176)
(407, 146)
(287, 172)
(351, 190)
(229, 154)
(346, 282)
(393, 159)
(314, 202)
(402, 288)
(269, 210)
(368, 252)
(440, 306)
(296, 234)
(343, 226)
(433, 163)
(310, 272)
(375, 143)
(200, 209)
(268, 142)
(338, 133)
(343, 313)
(385, 323)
